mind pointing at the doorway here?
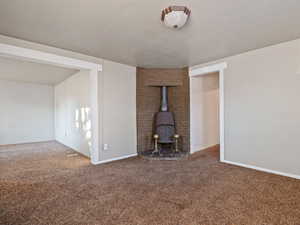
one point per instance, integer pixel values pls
(207, 107)
(205, 112)
(92, 69)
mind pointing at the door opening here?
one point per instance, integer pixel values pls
(207, 107)
(205, 112)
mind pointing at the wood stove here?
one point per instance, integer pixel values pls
(165, 137)
(164, 125)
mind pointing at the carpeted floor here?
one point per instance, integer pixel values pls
(45, 184)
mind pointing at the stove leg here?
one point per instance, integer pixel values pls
(156, 150)
(176, 137)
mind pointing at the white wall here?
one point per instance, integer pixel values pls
(72, 112)
(204, 111)
(27, 112)
(118, 84)
(262, 123)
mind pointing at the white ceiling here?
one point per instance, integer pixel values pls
(17, 70)
(130, 31)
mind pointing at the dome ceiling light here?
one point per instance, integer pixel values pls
(175, 16)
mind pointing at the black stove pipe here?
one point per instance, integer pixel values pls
(164, 99)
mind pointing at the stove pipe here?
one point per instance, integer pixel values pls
(164, 99)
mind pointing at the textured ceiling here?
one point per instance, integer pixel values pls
(17, 70)
(130, 31)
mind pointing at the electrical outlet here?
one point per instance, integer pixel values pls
(106, 147)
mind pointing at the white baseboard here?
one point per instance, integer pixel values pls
(114, 159)
(28, 142)
(198, 148)
(262, 169)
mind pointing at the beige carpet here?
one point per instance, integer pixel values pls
(41, 184)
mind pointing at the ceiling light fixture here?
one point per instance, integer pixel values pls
(175, 16)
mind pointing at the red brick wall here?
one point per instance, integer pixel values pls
(148, 103)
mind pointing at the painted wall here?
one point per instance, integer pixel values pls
(27, 112)
(72, 113)
(262, 108)
(118, 84)
(204, 111)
